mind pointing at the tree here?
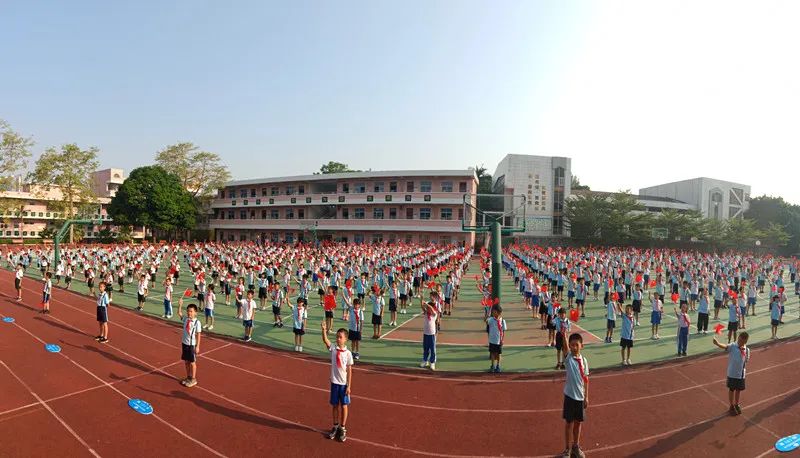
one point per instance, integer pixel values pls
(484, 180)
(766, 210)
(774, 236)
(335, 167)
(14, 155)
(201, 173)
(155, 198)
(69, 171)
(585, 216)
(741, 233)
(576, 184)
(681, 226)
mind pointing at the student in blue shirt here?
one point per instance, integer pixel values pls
(611, 319)
(733, 320)
(626, 336)
(738, 356)
(102, 313)
(576, 395)
(702, 311)
(775, 315)
(497, 330)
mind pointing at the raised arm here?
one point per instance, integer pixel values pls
(180, 307)
(325, 335)
(716, 342)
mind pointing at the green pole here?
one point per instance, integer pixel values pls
(497, 256)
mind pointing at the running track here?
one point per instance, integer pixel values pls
(256, 401)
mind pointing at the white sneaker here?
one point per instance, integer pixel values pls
(205, 326)
(653, 338)
(424, 364)
(628, 362)
(433, 366)
(296, 348)
(211, 327)
(300, 349)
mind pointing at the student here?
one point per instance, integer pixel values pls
(656, 313)
(429, 335)
(733, 320)
(702, 311)
(68, 276)
(46, 291)
(683, 328)
(611, 319)
(190, 342)
(248, 307)
(774, 315)
(580, 297)
(299, 317)
(209, 308)
(141, 292)
(637, 303)
(751, 299)
(341, 381)
(277, 297)
(393, 298)
(576, 396)
(377, 312)
(239, 297)
(355, 323)
(18, 281)
(497, 331)
(263, 285)
(329, 305)
(167, 298)
(563, 327)
(738, 356)
(102, 314)
(627, 333)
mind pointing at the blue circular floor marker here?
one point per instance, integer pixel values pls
(788, 443)
(52, 348)
(8, 319)
(140, 406)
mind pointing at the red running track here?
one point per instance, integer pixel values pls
(255, 401)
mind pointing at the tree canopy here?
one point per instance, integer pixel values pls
(15, 151)
(201, 173)
(335, 167)
(152, 197)
(70, 171)
(576, 184)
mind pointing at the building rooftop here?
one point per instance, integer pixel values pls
(358, 175)
(584, 192)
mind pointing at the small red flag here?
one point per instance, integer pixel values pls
(718, 329)
(187, 293)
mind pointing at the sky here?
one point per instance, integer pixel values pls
(637, 93)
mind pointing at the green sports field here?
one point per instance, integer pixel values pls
(462, 344)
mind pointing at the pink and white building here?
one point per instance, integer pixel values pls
(358, 207)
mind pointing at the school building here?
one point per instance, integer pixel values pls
(545, 181)
(357, 207)
(29, 213)
(715, 199)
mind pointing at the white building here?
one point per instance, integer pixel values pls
(713, 198)
(651, 204)
(545, 181)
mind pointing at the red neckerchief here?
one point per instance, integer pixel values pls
(500, 329)
(358, 319)
(686, 318)
(579, 360)
(339, 354)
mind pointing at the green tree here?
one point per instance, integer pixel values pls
(766, 210)
(713, 232)
(15, 151)
(335, 167)
(484, 180)
(69, 172)
(201, 172)
(576, 184)
(774, 236)
(586, 216)
(740, 233)
(679, 225)
(154, 198)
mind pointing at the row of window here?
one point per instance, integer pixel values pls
(341, 199)
(290, 237)
(346, 213)
(26, 214)
(358, 188)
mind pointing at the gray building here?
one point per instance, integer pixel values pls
(713, 198)
(545, 181)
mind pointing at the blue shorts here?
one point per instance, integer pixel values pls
(247, 323)
(751, 301)
(339, 395)
(570, 294)
(528, 294)
(655, 317)
(535, 299)
(209, 312)
(693, 297)
(743, 310)
(611, 324)
(596, 287)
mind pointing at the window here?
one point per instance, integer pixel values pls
(424, 213)
(358, 238)
(447, 186)
(426, 197)
(230, 214)
(345, 213)
(301, 213)
(289, 190)
(243, 193)
(392, 186)
(558, 225)
(244, 202)
(231, 193)
(325, 199)
(24, 233)
(274, 214)
(409, 238)
(8, 233)
(409, 213)
(243, 214)
(445, 240)
(289, 237)
(377, 213)
(447, 214)
(388, 198)
(408, 197)
(263, 214)
(301, 189)
(409, 186)
(378, 186)
(462, 186)
(461, 213)
(293, 200)
(273, 191)
(358, 213)
(370, 198)
(559, 176)
(308, 200)
(253, 192)
(263, 192)
(258, 201)
(377, 238)
(424, 186)
(341, 198)
(345, 188)
(220, 215)
(271, 201)
(392, 213)
(289, 213)
(360, 188)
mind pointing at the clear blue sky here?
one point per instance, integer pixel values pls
(278, 88)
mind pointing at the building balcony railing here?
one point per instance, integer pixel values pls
(420, 225)
(367, 198)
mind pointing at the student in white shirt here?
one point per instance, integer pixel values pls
(248, 306)
(341, 381)
(48, 287)
(429, 316)
(209, 307)
(299, 317)
(190, 341)
(18, 281)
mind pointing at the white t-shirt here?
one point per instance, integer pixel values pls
(168, 292)
(210, 298)
(19, 274)
(248, 308)
(429, 324)
(142, 287)
(191, 327)
(339, 372)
